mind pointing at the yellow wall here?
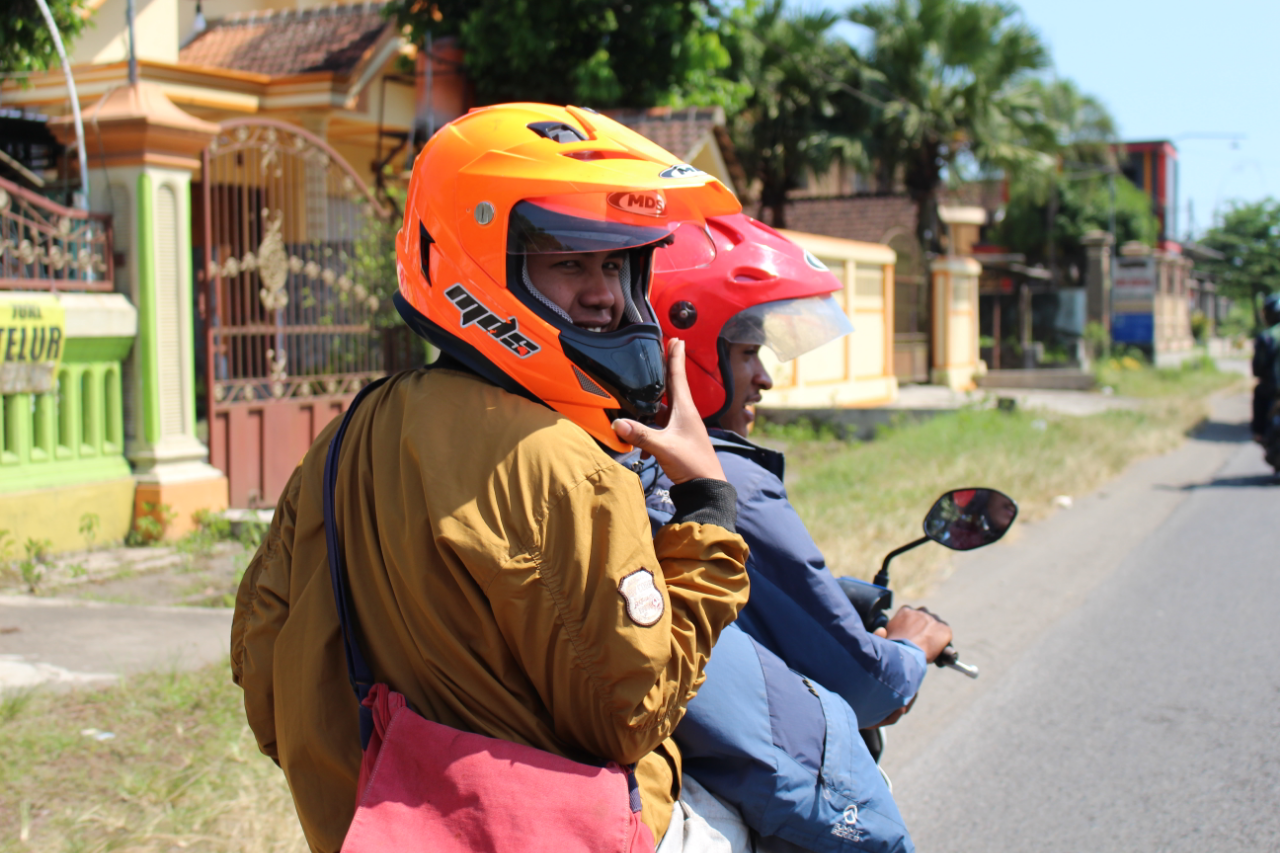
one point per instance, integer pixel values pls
(106, 37)
(55, 514)
(857, 369)
(1171, 306)
(955, 322)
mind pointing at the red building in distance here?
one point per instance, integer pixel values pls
(1153, 168)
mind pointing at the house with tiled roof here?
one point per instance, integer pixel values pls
(334, 69)
(231, 173)
(340, 40)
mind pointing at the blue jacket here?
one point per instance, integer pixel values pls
(784, 749)
(787, 753)
(1266, 366)
(797, 609)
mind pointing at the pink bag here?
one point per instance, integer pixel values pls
(424, 786)
(431, 788)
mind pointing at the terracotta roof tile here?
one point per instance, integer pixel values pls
(281, 43)
(866, 218)
(678, 131)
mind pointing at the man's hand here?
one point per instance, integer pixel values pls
(896, 715)
(683, 448)
(919, 626)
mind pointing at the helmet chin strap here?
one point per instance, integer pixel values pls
(629, 309)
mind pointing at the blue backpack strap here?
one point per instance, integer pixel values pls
(358, 671)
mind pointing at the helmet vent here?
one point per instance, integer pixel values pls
(595, 154)
(557, 131)
(587, 385)
(424, 249)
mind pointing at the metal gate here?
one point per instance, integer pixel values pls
(911, 333)
(298, 268)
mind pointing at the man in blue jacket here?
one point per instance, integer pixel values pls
(1266, 366)
(763, 290)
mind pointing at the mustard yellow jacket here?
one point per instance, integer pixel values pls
(487, 540)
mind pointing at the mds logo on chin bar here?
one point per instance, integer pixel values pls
(473, 311)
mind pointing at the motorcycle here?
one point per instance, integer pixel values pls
(962, 520)
(1271, 439)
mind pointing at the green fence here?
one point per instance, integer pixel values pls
(74, 434)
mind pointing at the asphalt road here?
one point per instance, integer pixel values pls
(1130, 694)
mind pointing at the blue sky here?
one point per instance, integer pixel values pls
(1174, 70)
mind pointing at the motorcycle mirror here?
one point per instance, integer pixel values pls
(964, 519)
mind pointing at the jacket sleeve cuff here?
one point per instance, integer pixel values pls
(706, 501)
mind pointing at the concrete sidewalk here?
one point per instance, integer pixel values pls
(1078, 403)
(921, 402)
(65, 642)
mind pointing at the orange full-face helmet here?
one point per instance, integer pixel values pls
(504, 182)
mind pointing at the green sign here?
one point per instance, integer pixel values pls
(32, 337)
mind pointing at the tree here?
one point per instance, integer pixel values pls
(956, 80)
(1083, 131)
(796, 109)
(598, 53)
(25, 41)
(1249, 238)
(1043, 232)
(1048, 212)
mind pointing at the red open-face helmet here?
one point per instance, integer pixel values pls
(761, 288)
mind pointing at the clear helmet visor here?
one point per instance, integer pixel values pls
(789, 327)
(609, 222)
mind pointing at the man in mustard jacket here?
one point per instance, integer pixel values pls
(502, 568)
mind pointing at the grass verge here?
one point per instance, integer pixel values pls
(862, 500)
(181, 772)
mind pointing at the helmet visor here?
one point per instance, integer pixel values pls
(604, 222)
(789, 327)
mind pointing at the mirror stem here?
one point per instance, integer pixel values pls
(882, 577)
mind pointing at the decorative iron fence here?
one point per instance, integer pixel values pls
(297, 258)
(298, 270)
(45, 246)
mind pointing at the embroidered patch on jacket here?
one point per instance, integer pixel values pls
(846, 826)
(644, 601)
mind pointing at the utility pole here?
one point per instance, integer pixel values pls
(1111, 216)
(133, 42)
(431, 104)
(1051, 233)
(82, 197)
(431, 90)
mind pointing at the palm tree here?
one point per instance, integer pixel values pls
(1084, 132)
(956, 80)
(797, 116)
(1084, 145)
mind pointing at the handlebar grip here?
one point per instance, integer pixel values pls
(949, 657)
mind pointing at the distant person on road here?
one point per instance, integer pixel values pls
(803, 642)
(1266, 366)
(503, 572)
